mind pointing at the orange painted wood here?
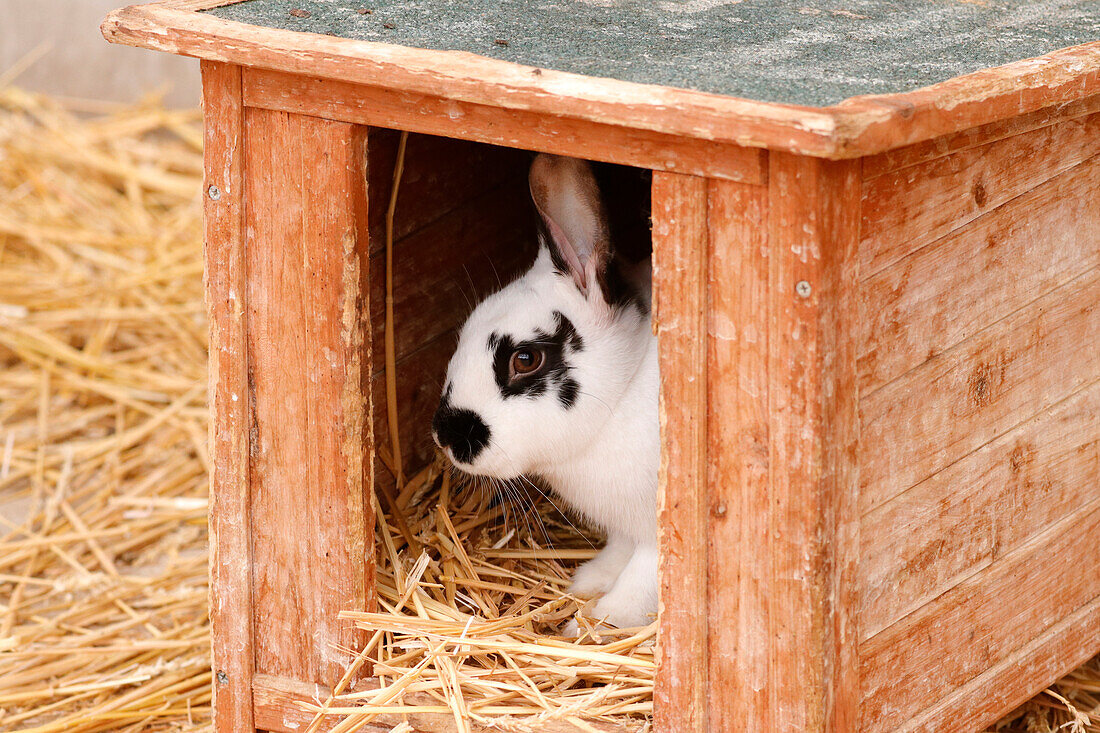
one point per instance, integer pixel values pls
(309, 369)
(922, 659)
(945, 292)
(517, 128)
(1061, 648)
(813, 231)
(230, 511)
(965, 397)
(972, 137)
(738, 471)
(680, 696)
(859, 126)
(961, 520)
(907, 209)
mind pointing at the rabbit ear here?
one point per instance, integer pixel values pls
(566, 195)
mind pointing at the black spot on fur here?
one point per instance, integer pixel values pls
(461, 430)
(555, 370)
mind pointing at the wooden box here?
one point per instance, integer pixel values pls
(877, 297)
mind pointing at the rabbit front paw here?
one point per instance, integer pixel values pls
(599, 574)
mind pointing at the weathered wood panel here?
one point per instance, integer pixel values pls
(980, 622)
(1015, 679)
(679, 277)
(516, 128)
(308, 364)
(813, 232)
(948, 527)
(738, 474)
(959, 400)
(892, 160)
(939, 295)
(230, 516)
(907, 209)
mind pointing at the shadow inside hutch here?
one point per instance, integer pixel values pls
(464, 226)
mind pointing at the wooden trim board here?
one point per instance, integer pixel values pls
(230, 506)
(854, 128)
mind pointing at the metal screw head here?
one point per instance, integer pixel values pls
(803, 289)
(214, 193)
(223, 678)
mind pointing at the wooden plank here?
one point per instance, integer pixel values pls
(738, 475)
(907, 209)
(939, 295)
(959, 400)
(680, 300)
(993, 694)
(892, 160)
(961, 520)
(854, 128)
(876, 123)
(813, 231)
(516, 128)
(308, 361)
(230, 516)
(970, 629)
(441, 175)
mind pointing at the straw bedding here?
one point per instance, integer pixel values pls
(103, 485)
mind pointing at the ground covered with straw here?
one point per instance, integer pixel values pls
(103, 485)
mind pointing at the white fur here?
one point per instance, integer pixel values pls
(601, 455)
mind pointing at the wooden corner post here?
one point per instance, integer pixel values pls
(286, 275)
(755, 296)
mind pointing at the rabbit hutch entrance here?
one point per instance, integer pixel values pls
(875, 287)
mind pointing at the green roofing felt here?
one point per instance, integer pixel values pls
(812, 52)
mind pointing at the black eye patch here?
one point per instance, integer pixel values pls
(556, 370)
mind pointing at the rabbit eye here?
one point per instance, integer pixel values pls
(527, 360)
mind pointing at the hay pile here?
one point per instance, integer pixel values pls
(103, 483)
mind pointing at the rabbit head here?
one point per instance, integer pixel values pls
(541, 364)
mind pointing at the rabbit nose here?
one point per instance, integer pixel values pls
(461, 430)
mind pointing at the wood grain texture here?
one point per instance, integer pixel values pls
(907, 209)
(813, 230)
(230, 511)
(856, 127)
(1004, 686)
(739, 469)
(680, 696)
(984, 620)
(947, 291)
(516, 128)
(922, 152)
(309, 365)
(965, 397)
(963, 519)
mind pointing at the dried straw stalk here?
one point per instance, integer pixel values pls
(103, 483)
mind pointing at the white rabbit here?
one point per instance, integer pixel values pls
(555, 376)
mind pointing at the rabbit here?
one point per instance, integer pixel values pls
(556, 376)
